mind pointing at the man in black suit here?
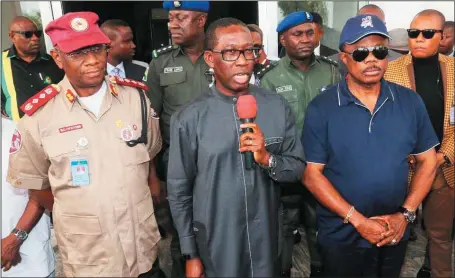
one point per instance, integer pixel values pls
(120, 55)
(319, 31)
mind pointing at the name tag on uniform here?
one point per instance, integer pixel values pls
(285, 88)
(452, 115)
(79, 171)
(173, 69)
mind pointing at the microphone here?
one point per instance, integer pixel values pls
(246, 110)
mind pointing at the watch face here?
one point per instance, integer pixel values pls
(22, 235)
(410, 216)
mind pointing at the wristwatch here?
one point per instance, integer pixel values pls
(20, 234)
(409, 215)
(272, 162)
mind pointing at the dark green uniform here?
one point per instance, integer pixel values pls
(299, 88)
(173, 80)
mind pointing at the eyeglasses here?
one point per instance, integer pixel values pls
(427, 33)
(361, 53)
(231, 55)
(29, 34)
(83, 53)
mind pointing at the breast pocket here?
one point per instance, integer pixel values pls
(293, 100)
(61, 148)
(174, 87)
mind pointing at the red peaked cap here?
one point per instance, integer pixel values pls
(247, 107)
(77, 30)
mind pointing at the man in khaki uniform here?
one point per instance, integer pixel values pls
(91, 140)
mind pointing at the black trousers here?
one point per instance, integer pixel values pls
(349, 261)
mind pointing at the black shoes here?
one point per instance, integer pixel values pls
(424, 272)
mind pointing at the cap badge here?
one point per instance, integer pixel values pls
(367, 22)
(307, 15)
(79, 24)
(177, 4)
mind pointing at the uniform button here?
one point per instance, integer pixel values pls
(31, 86)
(234, 99)
(30, 74)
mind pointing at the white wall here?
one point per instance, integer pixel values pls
(399, 14)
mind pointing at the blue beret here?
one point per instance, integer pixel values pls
(358, 27)
(294, 19)
(200, 6)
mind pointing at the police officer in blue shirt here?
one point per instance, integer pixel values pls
(357, 137)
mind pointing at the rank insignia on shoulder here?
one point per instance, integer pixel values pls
(161, 51)
(128, 82)
(328, 60)
(261, 72)
(42, 97)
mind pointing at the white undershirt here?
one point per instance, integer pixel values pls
(93, 102)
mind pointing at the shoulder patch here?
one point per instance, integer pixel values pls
(161, 51)
(42, 97)
(327, 60)
(128, 82)
(260, 73)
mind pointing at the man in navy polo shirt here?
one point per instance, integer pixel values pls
(357, 136)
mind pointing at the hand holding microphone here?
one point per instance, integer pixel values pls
(252, 140)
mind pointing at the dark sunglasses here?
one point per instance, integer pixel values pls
(361, 53)
(29, 34)
(427, 33)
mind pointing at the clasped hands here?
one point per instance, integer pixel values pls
(383, 230)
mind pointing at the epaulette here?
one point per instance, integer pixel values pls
(260, 73)
(128, 82)
(42, 97)
(161, 51)
(327, 60)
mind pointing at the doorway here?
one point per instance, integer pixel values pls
(149, 20)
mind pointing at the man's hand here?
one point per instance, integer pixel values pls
(155, 190)
(440, 159)
(194, 268)
(10, 252)
(254, 142)
(371, 230)
(397, 223)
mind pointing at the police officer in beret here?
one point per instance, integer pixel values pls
(299, 77)
(176, 75)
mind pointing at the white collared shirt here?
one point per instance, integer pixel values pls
(38, 258)
(120, 67)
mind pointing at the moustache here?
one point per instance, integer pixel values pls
(373, 68)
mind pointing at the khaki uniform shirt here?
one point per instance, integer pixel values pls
(106, 228)
(299, 87)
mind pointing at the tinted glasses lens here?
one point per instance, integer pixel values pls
(428, 34)
(29, 34)
(413, 33)
(380, 52)
(360, 54)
